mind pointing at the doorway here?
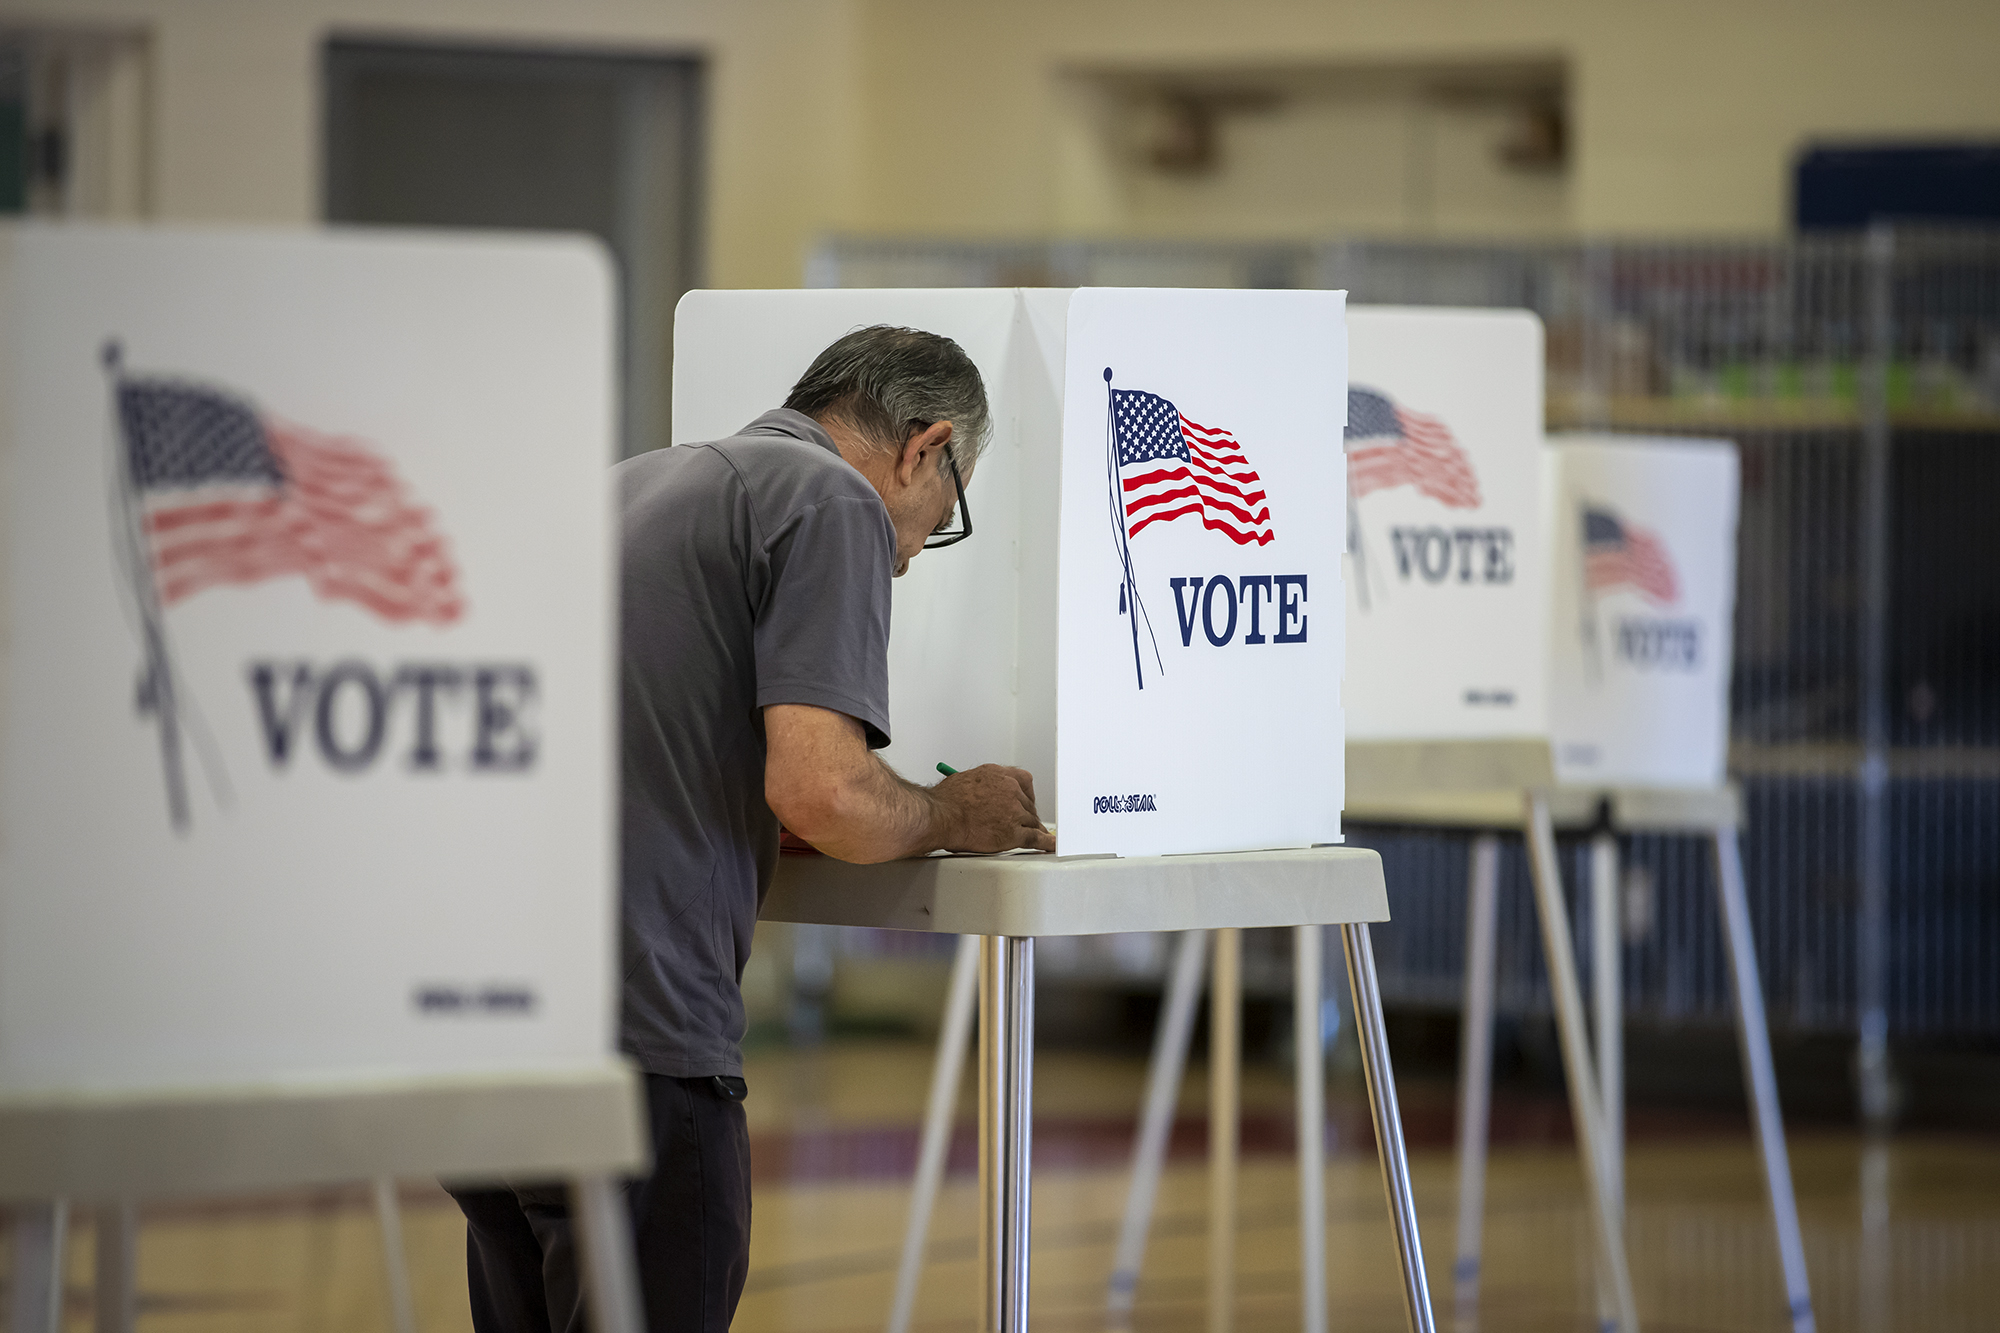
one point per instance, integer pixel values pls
(609, 144)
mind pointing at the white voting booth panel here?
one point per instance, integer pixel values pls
(1447, 592)
(1147, 614)
(306, 760)
(1643, 564)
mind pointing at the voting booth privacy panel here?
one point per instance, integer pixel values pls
(1148, 615)
(1447, 595)
(1643, 564)
(305, 764)
(1574, 593)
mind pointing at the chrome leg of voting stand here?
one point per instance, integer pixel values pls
(1475, 1074)
(1006, 1085)
(1309, 1060)
(961, 998)
(40, 1264)
(1156, 1119)
(1617, 1308)
(41, 1249)
(395, 1259)
(1754, 1037)
(1225, 1039)
(117, 1284)
(1614, 1277)
(1170, 1050)
(1374, 1037)
(604, 1244)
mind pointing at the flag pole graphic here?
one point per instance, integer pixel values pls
(158, 693)
(1586, 600)
(1356, 547)
(1128, 591)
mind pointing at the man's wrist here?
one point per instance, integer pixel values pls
(941, 821)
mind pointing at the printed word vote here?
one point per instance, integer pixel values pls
(1219, 602)
(348, 709)
(1475, 555)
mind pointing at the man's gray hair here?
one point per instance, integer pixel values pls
(883, 381)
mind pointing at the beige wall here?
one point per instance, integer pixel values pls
(236, 100)
(954, 116)
(1686, 115)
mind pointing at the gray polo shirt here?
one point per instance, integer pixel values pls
(753, 570)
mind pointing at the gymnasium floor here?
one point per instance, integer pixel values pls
(1902, 1236)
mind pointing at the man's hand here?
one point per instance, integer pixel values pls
(826, 786)
(994, 808)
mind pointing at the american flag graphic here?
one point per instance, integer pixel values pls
(1388, 445)
(1617, 554)
(1170, 467)
(224, 495)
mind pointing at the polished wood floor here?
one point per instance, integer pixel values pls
(1901, 1235)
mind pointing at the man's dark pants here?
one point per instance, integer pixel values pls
(690, 1225)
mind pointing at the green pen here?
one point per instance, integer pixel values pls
(946, 769)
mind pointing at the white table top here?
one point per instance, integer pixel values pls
(193, 1141)
(1484, 785)
(1083, 895)
(1633, 809)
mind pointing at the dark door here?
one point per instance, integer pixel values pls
(424, 135)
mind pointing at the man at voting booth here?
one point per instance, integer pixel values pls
(754, 659)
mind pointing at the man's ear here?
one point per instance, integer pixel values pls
(916, 445)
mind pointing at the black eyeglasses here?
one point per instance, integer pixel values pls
(945, 536)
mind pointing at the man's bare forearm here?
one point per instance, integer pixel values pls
(828, 787)
(838, 795)
(877, 815)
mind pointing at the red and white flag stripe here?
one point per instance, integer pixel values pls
(1427, 457)
(1217, 483)
(1639, 562)
(341, 519)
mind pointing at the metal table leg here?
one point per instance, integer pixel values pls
(1388, 1120)
(1615, 1276)
(610, 1269)
(1225, 1030)
(1608, 1008)
(117, 1266)
(1754, 1034)
(1156, 1120)
(395, 1261)
(1006, 1074)
(41, 1253)
(1475, 1073)
(1309, 1055)
(960, 998)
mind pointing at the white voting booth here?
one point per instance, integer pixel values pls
(1447, 601)
(1642, 589)
(306, 757)
(1584, 681)
(1535, 634)
(1147, 617)
(1053, 621)
(1642, 595)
